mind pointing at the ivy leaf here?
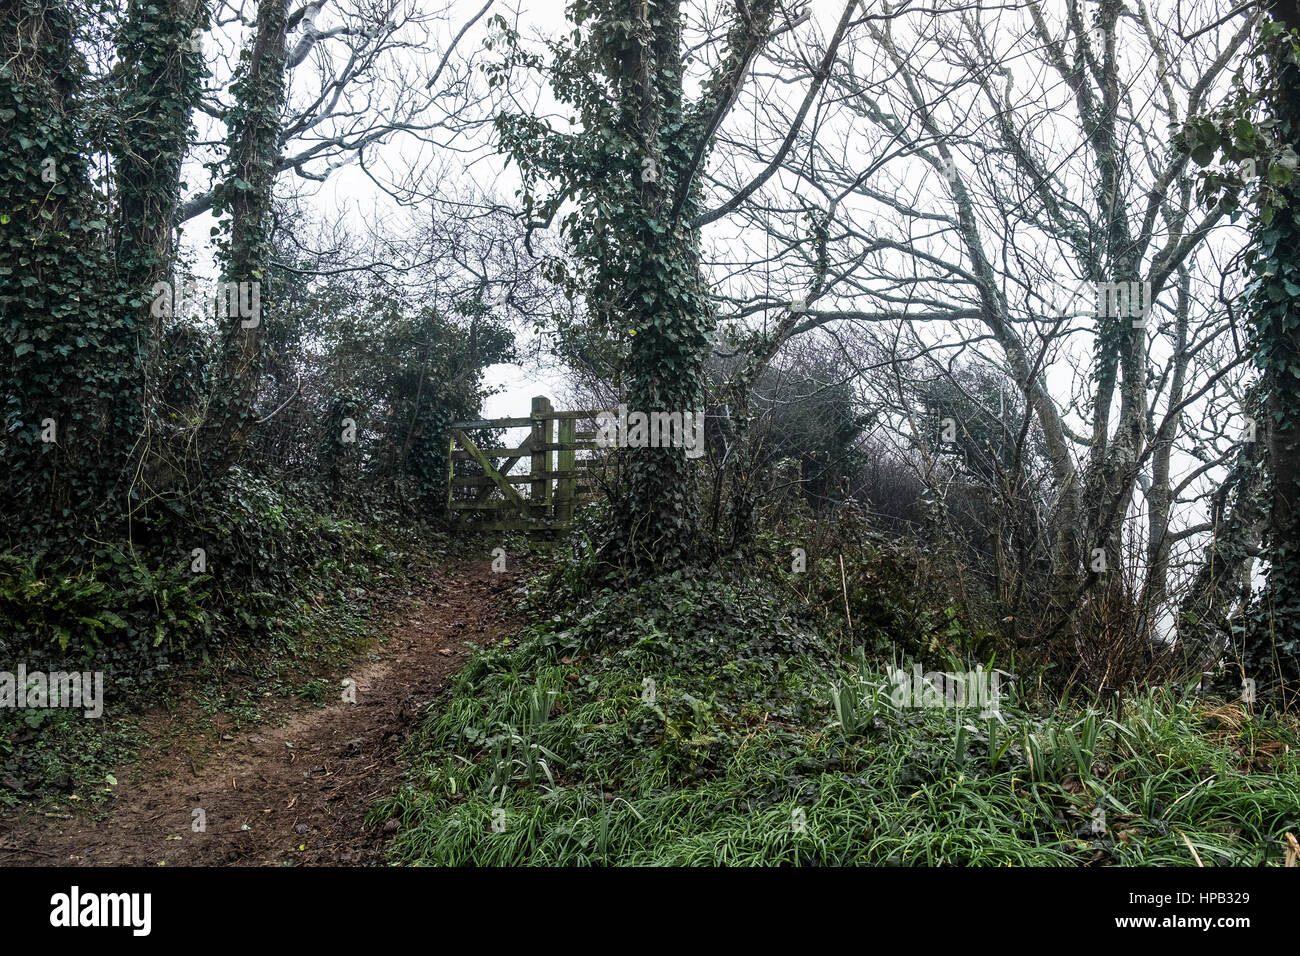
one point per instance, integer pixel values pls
(1203, 153)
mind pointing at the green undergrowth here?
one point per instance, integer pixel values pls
(704, 720)
(290, 591)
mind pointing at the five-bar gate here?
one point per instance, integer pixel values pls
(484, 495)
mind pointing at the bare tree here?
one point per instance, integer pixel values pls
(993, 181)
(360, 75)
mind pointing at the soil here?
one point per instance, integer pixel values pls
(293, 794)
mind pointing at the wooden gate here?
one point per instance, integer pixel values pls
(483, 494)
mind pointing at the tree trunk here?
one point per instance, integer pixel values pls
(246, 198)
(1274, 644)
(68, 363)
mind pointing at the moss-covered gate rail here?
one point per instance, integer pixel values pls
(483, 495)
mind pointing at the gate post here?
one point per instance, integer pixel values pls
(539, 494)
(566, 463)
(451, 475)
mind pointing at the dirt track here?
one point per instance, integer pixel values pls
(292, 794)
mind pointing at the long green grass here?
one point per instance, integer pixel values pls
(699, 721)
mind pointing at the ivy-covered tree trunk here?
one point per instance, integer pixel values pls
(665, 374)
(661, 296)
(159, 82)
(161, 68)
(69, 355)
(646, 258)
(246, 198)
(1274, 647)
